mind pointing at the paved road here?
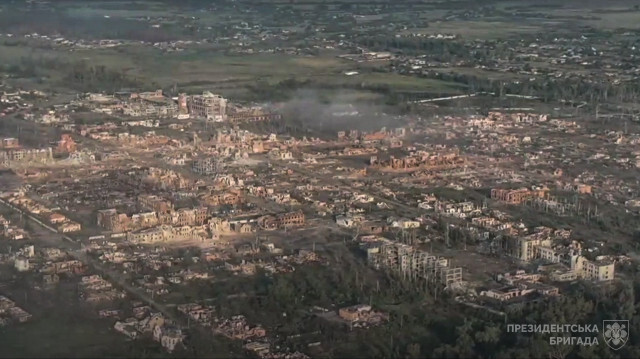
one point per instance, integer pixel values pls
(74, 248)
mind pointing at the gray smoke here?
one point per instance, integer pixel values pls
(337, 111)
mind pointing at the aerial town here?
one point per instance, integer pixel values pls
(434, 189)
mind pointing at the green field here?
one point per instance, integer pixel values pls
(211, 67)
(59, 336)
(198, 70)
(63, 327)
(480, 29)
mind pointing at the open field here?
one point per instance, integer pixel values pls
(400, 83)
(211, 67)
(481, 29)
(80, 338)
(62, 327)
(195, 71)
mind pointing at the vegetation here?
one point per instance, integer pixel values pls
(423, 326)
(85, 78)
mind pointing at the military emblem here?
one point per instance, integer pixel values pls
(616, 333)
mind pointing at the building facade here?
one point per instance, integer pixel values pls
(207, 106)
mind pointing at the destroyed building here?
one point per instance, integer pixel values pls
(576, 265)
(12, 152)
(284, 220)
(207, 106)
(420, 160)
(251, 114)
(155, 203)
(149, 104)
(164, 233)
(516, 196)
(412, 264)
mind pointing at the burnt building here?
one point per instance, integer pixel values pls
(19, 155)
(190, 217)
(155, 203)
(207, 106)
(111, 220)
(291, 219)
(284, 220)
(516, 196)
(420, 160)
(224, 198)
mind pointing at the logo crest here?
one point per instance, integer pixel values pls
(616, 333)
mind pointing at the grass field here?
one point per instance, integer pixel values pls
(487, 29)
(198, 69)
(61, 327)
(59, 336)
(398, 83)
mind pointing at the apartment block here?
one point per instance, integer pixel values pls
(207, 106)
(515, 196)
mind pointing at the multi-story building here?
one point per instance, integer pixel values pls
(531, 248)
(284, 220)
(150, 104)
(201, 215)
(144, 220)
(515, 196)
(291, 219)
(219, 225)
(528, 248)
(207, 166)
(9, 155)
(111, 220)
(550, 254)
(218, 199)
(10, 143)
(152, 235)
(155, 203)
(163, 233)
(594, 270)
(208, 106)
(190, 216)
